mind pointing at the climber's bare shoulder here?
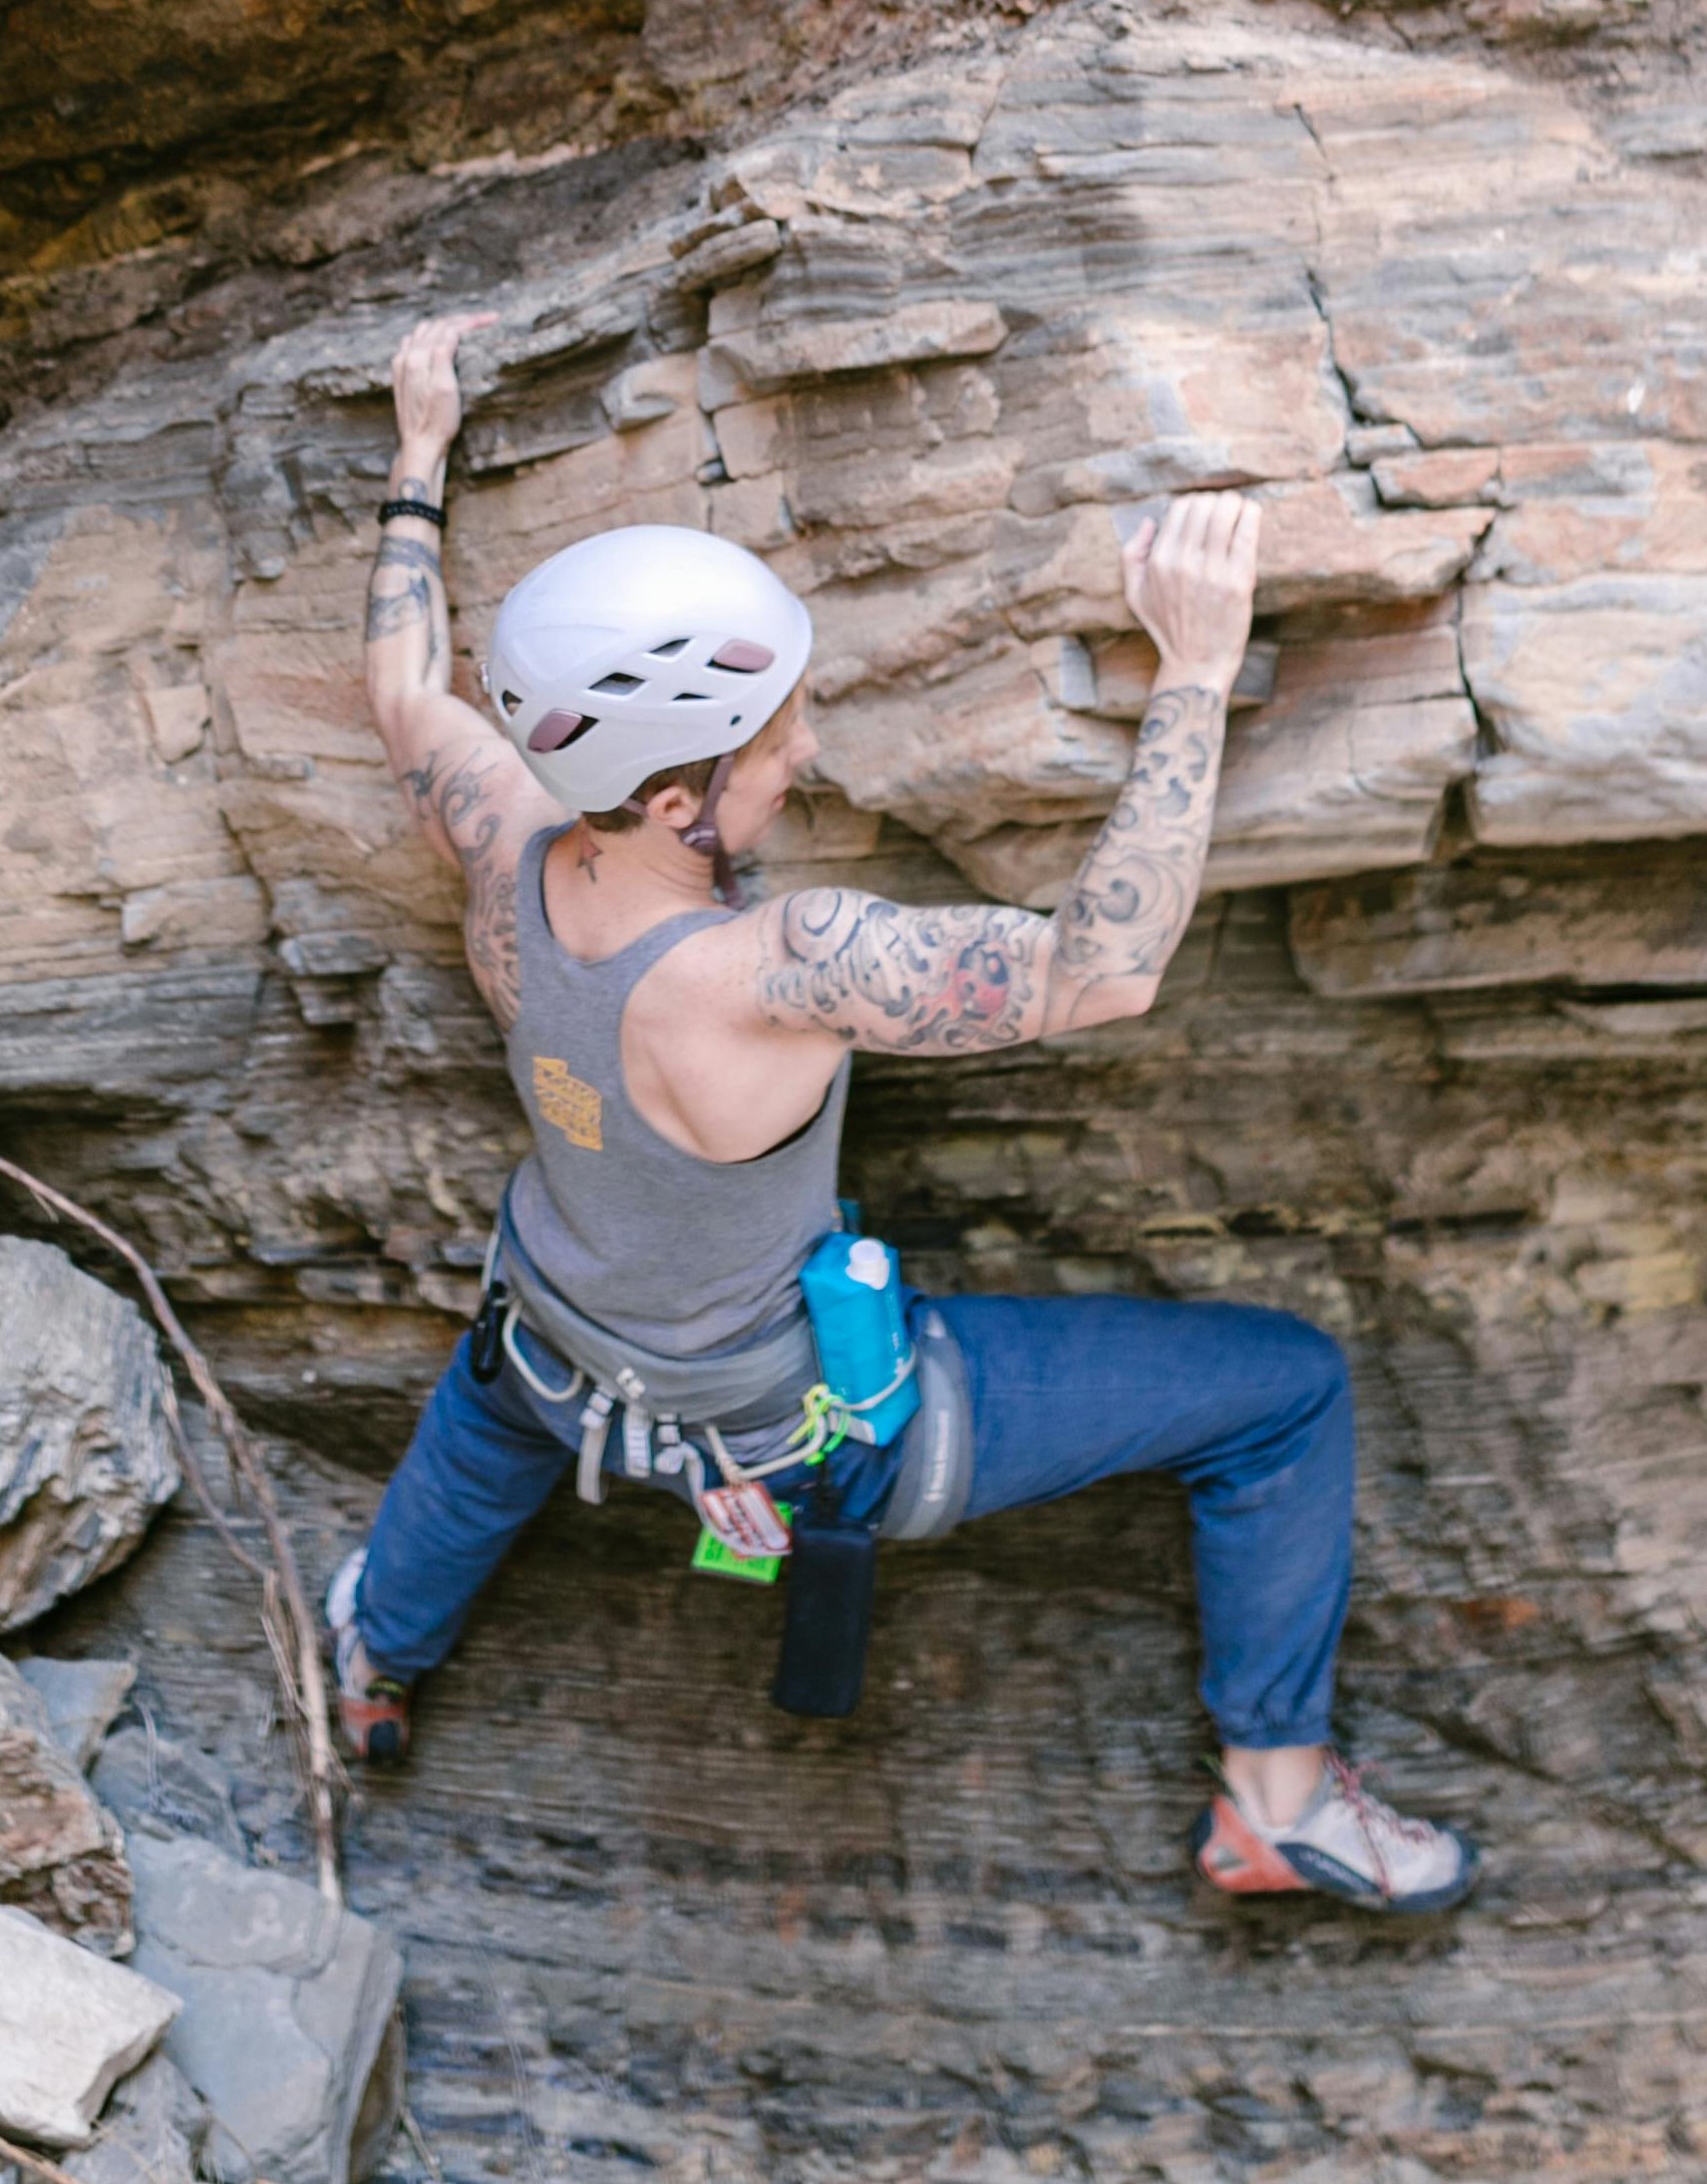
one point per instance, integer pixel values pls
(478, 806)
(729, 1043)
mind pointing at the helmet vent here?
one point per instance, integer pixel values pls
(559, 730)
(669, 651)
(617, 685)
(740, 657)
(511, 703)
(689, 698)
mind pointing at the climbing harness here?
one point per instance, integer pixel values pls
(732, 1392)
(670, 1406)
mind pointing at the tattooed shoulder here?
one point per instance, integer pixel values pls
(896, 979)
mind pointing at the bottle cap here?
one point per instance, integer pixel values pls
(869, 1262)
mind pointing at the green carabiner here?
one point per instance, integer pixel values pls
(820, 1411)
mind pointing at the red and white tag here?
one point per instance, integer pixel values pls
(745, 1518)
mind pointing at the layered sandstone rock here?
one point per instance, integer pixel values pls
(1429, 282)
(924, 345)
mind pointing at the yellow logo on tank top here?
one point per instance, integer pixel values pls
(563, 1100)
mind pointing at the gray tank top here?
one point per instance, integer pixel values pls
(677, 1253)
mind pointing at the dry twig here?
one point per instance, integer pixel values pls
(38, 2162)
(418, 2140)
(285, 1615)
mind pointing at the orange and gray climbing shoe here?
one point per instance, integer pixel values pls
(373, 1711)
(1346, 1842)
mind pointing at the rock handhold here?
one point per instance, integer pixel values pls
(70, 2027)
(288, 2013)
(151, 2130)
(61, 1855)
(82, 1698)
(83, 1456)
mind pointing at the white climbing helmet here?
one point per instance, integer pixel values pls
(638, 649)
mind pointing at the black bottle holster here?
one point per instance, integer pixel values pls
(826, 1617)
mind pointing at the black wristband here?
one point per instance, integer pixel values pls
(423, 508)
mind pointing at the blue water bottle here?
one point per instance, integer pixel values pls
(853, 1288)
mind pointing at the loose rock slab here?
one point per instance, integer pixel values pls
(82, 1698)
(61, 1856)
(287, 2005)
(70, 2027)
(84, 1457)
(158, 1786)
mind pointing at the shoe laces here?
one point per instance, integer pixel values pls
(1383, 1827)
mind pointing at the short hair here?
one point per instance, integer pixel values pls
(694, 776)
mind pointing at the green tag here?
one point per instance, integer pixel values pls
(711, 1555)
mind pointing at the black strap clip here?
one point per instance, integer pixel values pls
(485, 1360)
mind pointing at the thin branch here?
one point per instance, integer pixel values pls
(296, 1649)
(416, 2138)
(190, 1464)
(39, 2162)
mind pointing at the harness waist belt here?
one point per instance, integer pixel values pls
(737, 1390)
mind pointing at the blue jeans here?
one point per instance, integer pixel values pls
(1249, 1409)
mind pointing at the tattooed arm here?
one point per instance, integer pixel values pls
(465, 783)
(408, 623)
(952, 981)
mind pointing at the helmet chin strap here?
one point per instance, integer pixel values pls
(701, 831)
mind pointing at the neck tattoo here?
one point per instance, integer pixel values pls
(588, 854)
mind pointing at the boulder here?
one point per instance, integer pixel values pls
(288, 2013)
(85, 1461)
(70, 2027)
(151, 2130)
(82, 1698)
(158, 1786)
(61, 1856)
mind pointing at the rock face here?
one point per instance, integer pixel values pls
(70, 2026)
(289, 2006)
(923, 346)
(1428, 1068)
(61, 1856)
(84, 1457)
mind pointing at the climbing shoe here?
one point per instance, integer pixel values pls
(373, 1711)
(1346, 1842)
